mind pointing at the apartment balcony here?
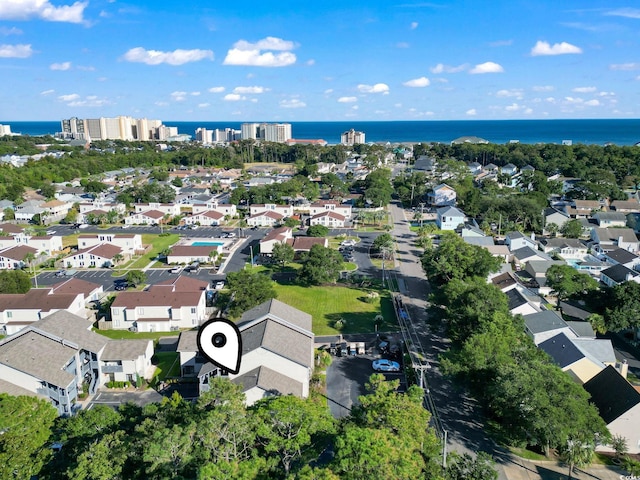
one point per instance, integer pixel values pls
(112, 369)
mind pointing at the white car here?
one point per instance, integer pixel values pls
(175, 270)
(219, 285)
(384, 365)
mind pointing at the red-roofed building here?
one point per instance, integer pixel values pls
(277, 235)
(12, 258)
(192, 253)
(207, 218)
(130, 244)
(328, 219)
(267, 218)
(100, 256)
(171, 305)
(322, 206)
(149, 217)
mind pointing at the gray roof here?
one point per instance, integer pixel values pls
(561, 350)
(599, 349)
(277, 309)
(611, 216)
(543, 265)
(515, 298)
(38, 355)
(479, 241)
(450, 211)
(72, 328)
(14, 390)
(613, 234)
(559, 242)
(124, 349)
(581, 329)
(278, 338)
(574, 311)
(621, 255)
(544, 321)
(270, 381)
(188, 341)
(527, 252)
(618, 273)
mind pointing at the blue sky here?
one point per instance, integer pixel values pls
(296, 60)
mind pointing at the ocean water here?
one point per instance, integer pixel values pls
(598, 132)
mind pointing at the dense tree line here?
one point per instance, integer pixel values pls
(386, 436)
(533, 401)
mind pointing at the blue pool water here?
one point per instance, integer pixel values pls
(207, 244)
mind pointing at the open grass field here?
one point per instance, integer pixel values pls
(168, 365)
(159, 243)
(330, 303)
(126, 334)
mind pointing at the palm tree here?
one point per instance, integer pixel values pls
(29, 259)
(117, 258)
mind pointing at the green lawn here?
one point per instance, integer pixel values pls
(168, 365)
(159, 243)
(126, 334)
(330, 303)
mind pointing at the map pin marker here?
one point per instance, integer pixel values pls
(219, 341)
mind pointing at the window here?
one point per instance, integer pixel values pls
(140, 311)
(193, 309)
(9, 314)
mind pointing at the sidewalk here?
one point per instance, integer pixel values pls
(520, 469)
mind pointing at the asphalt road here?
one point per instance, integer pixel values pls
(460, 414)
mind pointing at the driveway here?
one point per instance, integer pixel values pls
(346, 379)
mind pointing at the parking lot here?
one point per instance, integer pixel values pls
(346, 379)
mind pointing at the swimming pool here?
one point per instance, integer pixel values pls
(207, 244)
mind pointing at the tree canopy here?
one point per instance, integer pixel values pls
(320, 265)
(248, 289)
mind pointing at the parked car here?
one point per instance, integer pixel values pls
(51, 232)
(175, 270)
(231, 235)
(121, 286)
(60, 273)
(219, 285)
(384, 365)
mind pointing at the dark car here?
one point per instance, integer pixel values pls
(120, 286)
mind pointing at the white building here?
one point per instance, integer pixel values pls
(129, 243)
(352, 137)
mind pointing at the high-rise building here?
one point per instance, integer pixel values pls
(351, 137)
(5, 130)
(117, 128)
(268, 132)
(204, 136)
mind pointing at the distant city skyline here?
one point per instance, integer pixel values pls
(319, 61)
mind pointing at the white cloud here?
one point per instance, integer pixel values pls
(10, 31)
(562, 48)
(251, 90)
(178, 96)
(592, 103)
(293, 103)
(311, 62)
(377, 88)
(15, 51)
(90, 101)
(69, 98)
(417, 82)
(156, 57)
(624, 12)
(584, 89)
(513, 92)
(233, 97)
(347, 99)
(203, 105)
(195, 94)
(216, 89)
(47, 92)
(161, 104)
(328, 91)
(413, 25)
(550, 100)
(42, 9)
(606, 94)
(624, 66)
(471, 112)
(442, 68)
(60, 66)
(486, 67)
(543, 88)
(251, 54)
(573, 100)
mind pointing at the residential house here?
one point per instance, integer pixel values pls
(91, 292)
(25, 212)
(213, 205)
(538, 271)
(56, 210)
(442, 196)
(626, 206)
(617, 274)
(277, 235)
(170, 209)
(277, 356)
(474, 168)
(282, 210)
(265, 219)
(516, 240)
(622, 257)
(544, 325)
(424, 164)
(324, 206)
(149, 217)
(101, 204)
(13, 258)
(505, 281)
(469, 230)
(618, 403)
(509, 169)
(19, 310)
(103, 255)
(525, 255)
(329, 220)
(449, 218)
(127, 361)
(182, 254)
(166, 306)
(47, 244)
(582, 359)
(582, 208)
(554, 216)
(610, 219)
(567, 248)
(130, 244)
(207, 218)
(522, 302)
(304, 244)
(624, 238)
